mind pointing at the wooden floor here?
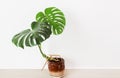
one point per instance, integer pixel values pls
(71, 73)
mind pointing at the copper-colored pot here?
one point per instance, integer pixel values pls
(56, 68)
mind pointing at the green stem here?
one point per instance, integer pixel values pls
(44, 55)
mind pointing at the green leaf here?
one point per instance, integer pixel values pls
(56, 19)
(18, 39)
(39, 33)
(40, 17)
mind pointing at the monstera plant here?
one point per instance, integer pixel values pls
(51, 21)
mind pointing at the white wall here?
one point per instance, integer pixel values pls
(91, 38)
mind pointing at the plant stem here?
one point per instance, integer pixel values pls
(44, 55)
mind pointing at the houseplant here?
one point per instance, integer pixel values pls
(51, 21)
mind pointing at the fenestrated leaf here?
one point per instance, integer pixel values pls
(18, 39)
(39, 33)
(56, 19)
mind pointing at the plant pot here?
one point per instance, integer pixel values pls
(56, 68)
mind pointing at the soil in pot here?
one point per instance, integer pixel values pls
(56, 67)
